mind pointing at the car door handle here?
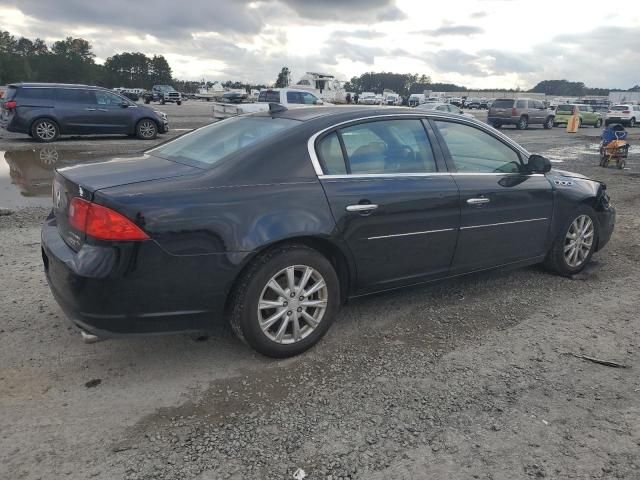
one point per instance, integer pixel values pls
(90, 109)
(478, 201)
(361, 207)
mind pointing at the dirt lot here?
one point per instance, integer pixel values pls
(466, 379)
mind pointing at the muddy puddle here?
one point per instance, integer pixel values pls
(26, 175)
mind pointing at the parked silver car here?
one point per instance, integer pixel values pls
(520, 112)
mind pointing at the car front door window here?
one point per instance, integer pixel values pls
(474, 151)
(108, 99)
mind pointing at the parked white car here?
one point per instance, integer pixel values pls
(443, 107)
(393, 99)
(625, 113)
(286, 97)
(416, 99)
(368, 98)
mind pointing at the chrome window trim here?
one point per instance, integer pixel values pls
(433, 174)
(311, 148)
(412, 233)
(503, 223)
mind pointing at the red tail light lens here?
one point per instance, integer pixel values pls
(10, 105)
(514, 112)
(102, 222)
(626, 111)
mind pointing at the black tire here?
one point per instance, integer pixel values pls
(162, 102)
(632, 123)
(548, 123)
(598, 123)
(523, 123)
(579, 123)
(497, 125)
(45, 130)
(621, 162)
(242, 312)
(179, 103)
(147, 101)
(146, 129)
(556, 261)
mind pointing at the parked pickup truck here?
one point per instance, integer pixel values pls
(287, 97)
(163, 94)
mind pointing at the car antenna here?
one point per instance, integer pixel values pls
(276, 108)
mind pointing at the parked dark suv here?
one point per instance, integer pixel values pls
(47, 110)
(520, 112)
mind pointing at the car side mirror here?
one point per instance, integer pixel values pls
(318, 102)
(538, 164)
(125, 104)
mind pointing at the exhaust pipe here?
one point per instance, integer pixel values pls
(89, 338)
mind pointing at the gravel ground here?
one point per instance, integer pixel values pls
(465, 379)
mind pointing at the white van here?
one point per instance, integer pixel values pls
(416, 99)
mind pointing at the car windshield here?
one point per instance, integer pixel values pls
(565, 108)
(165, 88)
(620, 108)
(208, 145)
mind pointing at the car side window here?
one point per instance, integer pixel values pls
(36, 94)
(388, 147)
(521, 104)
(475, 151)
(108, 98)
(75, 95)
(330, 153)
(308, 99)
(294, 97)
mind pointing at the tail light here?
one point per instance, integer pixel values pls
(10, 105)
(626, 111)
(102, 222)
(514, 112)
(574, 111)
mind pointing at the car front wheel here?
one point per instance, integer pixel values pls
(146, 129)
(548, 123)
(286, 301)
(575, 244)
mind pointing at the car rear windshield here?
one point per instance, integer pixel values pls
(9, 94)
(502, 104)
(564, 108)
(268, 96)
(208, 145)
(620, 108)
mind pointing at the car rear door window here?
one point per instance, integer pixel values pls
(269, 96)
(330, 153)
(294, 97)
(504, 103)
(388, 147)
(521, 104)
(475, 151)
(36, 94)
(75, 95)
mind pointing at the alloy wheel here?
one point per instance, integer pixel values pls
(292, 304)
(579, 241)
(46, 130)
(147, 129)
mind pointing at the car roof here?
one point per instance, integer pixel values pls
(50, 85)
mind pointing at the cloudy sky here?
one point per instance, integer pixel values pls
(476, 43)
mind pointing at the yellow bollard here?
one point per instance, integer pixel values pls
(574, 122)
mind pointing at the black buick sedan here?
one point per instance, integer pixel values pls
(272, 220)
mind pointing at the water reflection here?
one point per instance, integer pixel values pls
(26, 175)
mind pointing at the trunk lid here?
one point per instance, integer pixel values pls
(85, 179)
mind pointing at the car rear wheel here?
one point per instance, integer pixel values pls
(598, 123)
(146, 129)
(286, 301)
(179, 102)
(575, 244)
(548, 123)
(522, 124)
(632, 122)
(45, 130)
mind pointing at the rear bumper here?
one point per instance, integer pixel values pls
(503, 120)
(121, 290)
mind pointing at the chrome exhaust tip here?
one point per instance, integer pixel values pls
(88, 337)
